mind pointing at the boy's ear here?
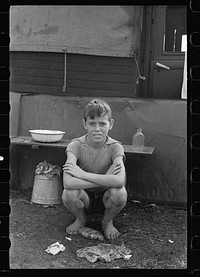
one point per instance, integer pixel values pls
(111, 123)
(84, 123)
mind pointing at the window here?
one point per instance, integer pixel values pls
(175, 38)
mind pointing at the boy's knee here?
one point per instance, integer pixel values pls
(70, 195)
(118, 196)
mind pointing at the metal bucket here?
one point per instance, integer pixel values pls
(47, 190)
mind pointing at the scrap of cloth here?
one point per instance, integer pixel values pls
(105, 252)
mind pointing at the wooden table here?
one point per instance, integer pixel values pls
(24, 140)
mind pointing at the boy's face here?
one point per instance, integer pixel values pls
(98, 128)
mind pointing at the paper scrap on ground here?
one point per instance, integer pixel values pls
(55, 248)
(136, 201)
(104, 252)
(68, 238)
(171, 241)
(151, 205)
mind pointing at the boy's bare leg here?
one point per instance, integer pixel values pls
(114, 201)
(75, 201)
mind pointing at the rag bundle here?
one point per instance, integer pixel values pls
(104, 252)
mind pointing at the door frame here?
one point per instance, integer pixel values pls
(146, 51)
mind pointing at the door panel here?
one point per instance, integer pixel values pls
(167, 83)
(169, 28)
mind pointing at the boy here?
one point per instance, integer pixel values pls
(94, 174)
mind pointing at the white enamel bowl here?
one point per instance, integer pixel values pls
(47, 135)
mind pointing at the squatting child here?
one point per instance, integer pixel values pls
(94, 176)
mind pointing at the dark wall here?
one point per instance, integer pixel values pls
(87, 75)
(161, 177)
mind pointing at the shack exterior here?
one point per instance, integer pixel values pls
(133, 57)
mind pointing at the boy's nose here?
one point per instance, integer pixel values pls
(97, 127)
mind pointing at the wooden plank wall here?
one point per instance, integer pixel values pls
(87, 75)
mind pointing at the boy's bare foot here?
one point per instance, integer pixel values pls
(109, 230)
(73, 228)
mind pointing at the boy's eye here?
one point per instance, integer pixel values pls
(100, 124)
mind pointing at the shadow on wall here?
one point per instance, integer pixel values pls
(15, 99)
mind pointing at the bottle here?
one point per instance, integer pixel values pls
(138, 140)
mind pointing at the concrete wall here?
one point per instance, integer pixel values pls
(160, 177)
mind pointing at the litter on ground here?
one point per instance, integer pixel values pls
(171, 241)
(90, 233)
(136, 201)
(105, 252)
(146, 231)
(68, 238)
(151, 205)
(55, 248)
(49, 206)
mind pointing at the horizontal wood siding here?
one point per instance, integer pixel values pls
(87, 75)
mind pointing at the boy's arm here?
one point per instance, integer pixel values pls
(71, 182)
(105, 180)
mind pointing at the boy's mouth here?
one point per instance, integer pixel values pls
(97, 135)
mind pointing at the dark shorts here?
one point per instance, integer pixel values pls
(96, 205)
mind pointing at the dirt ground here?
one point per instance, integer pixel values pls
(156, 234)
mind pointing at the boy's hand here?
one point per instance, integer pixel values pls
(114, 169)
(73, 169)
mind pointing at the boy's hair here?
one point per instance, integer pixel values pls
(97, 107)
